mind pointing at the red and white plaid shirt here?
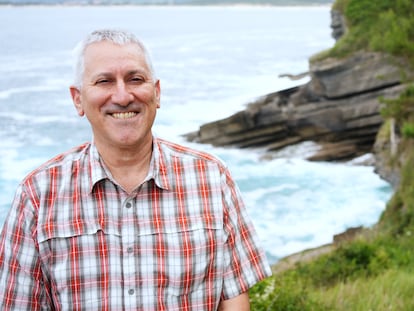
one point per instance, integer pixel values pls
(75, 240)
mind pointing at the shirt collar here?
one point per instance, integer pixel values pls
(157, 170)
(97, 169)
(158, 167)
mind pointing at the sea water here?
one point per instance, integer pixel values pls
(212, 61)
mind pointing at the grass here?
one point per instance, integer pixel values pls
(373, 272)
(391, 290)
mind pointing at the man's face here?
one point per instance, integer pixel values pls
(118, 95)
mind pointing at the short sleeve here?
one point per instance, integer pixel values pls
(245, 260)
(21, 286)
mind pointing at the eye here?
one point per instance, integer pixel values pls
(102, 81)
(137, 79)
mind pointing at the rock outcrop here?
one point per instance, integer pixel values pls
(338, 108)
(338, 24)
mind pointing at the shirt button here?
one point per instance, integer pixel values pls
(131, 291)
(130, 249)
(128, 205)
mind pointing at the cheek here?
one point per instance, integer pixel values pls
(148, 94)
(145, 94)
(93, 100)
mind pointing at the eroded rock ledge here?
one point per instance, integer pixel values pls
(338, 109)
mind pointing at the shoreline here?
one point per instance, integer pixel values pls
(307, 255)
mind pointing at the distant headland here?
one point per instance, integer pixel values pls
(165, 2)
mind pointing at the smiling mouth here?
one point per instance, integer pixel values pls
(124, 115)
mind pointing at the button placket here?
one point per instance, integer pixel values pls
(128, 238)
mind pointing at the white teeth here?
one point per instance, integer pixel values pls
(124, 115)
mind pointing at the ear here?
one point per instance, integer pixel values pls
(76, 98)
(158, 93)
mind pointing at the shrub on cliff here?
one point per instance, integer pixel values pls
(401, 109)
(381, 25)
(398, 218)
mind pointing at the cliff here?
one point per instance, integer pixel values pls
(338, 108)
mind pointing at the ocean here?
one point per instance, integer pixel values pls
(212, 61)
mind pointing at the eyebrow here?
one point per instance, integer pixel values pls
(138, 71)
(129, 73)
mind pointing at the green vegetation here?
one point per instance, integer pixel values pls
(401, 110)
(374, 271)
(380, 25)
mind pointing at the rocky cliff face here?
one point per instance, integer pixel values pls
(338, 108)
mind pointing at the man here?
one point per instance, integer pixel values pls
(129, 221)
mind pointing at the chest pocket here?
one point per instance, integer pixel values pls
(184, 259)
(76, 241)
(75, 258)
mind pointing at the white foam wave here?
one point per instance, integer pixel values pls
(297, 204)
(53, 85)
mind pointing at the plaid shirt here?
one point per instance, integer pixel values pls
(74, 240)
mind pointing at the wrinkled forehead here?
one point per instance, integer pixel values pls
(108, 54)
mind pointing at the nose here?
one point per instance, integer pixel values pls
(121, 95)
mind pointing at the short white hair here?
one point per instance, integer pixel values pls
(119, 37)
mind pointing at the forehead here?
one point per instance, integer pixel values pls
(104, 55)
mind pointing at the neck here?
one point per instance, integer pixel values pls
(128, 166)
